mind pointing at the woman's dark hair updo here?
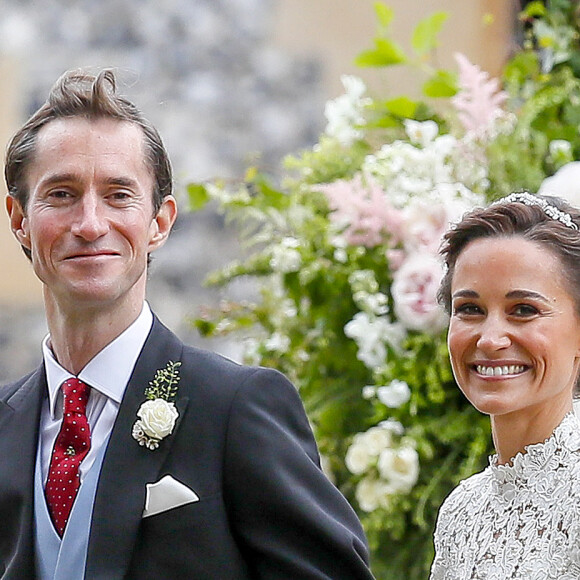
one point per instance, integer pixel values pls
(505, 219)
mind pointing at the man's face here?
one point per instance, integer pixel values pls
(89, 221)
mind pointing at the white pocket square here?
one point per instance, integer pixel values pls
(166, 494)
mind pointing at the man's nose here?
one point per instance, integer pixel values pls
(90, 222)
(494, 334)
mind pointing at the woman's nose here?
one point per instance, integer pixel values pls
(493, 335)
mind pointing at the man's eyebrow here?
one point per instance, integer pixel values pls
(124, 181)
(59, 178)
(68, 177)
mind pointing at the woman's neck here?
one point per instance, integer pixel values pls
(513, 432)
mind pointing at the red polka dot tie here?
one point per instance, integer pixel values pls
(72, 444)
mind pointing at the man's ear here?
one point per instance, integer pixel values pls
(18, 221)
(163, 222)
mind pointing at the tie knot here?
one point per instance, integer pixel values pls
(76, 395)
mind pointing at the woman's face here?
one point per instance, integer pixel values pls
(514, 335)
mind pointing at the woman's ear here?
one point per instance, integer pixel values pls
(18, 221)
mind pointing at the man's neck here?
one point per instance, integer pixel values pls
(77, 336)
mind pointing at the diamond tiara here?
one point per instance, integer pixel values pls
(550, 210)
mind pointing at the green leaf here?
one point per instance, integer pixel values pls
(198, 196)
(384, 13)
(442, 84)
(534, 9)
(402, 107)
(424, 37)
(385, 53)
(271, 196)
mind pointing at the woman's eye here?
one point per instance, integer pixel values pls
(525, 310)
(467, 309)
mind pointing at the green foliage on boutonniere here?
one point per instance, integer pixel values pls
(164, 384)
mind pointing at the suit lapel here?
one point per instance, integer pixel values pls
(19, 424)
(128, 467)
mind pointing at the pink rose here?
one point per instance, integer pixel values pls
(414, 291)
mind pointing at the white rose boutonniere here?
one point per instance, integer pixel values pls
(158, 414)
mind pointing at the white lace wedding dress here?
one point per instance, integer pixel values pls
(520, 521)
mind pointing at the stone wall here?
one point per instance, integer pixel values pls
(208, 75)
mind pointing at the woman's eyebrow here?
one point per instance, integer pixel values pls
(465, 294)
(527, 294)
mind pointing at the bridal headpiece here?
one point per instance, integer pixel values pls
(550, 210)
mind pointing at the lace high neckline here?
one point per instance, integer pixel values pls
(519, 521)
(553, 453)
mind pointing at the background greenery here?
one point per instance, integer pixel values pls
(311, 286)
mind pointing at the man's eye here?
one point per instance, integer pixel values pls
(59, 193)
(120, 195)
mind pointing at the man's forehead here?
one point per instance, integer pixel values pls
(63, 126)
(74, 149)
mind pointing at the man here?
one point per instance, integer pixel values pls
(159, 461)
(127, 454)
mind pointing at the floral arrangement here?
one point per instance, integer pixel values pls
(344, 253)
(158, 414)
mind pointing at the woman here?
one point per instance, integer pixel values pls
(512, 289)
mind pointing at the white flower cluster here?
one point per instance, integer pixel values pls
(430, 167)
(344, 113)
(365, 292)
(393, 395)
(372, 335)
(285, 256)
(388, 466)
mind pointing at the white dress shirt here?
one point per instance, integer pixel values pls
(107, 374)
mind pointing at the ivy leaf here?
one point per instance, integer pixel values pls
(424, 37)
(442, 84)
(385, 53)
(198, 196)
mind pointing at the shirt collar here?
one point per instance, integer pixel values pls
(109, 370)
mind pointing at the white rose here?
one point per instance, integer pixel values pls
(393, 426)
(375, 439)
(358, 457)
(400, 467)
(372, 493)
(395, 394)
(157, 418)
